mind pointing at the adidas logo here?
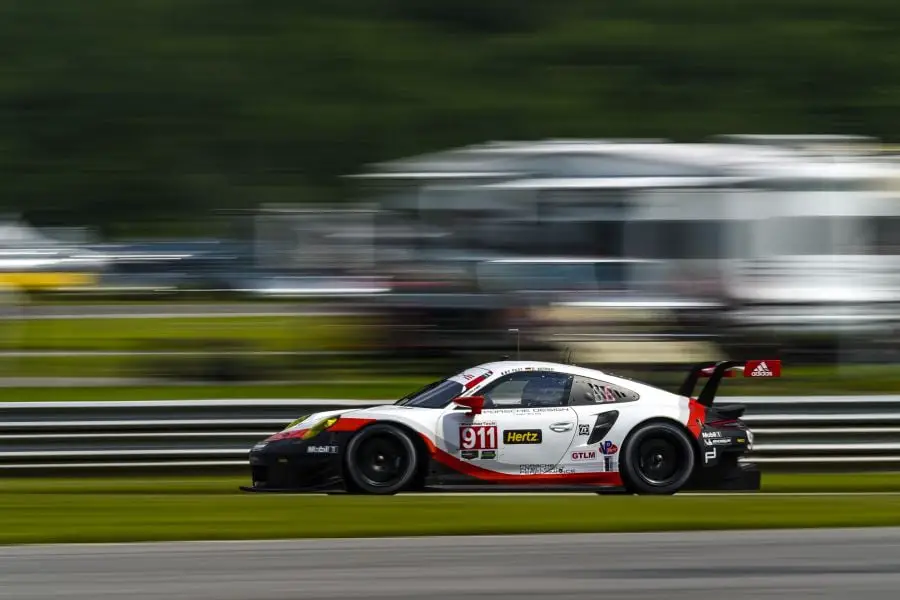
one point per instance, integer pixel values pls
(761, 370)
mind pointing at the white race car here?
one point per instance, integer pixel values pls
(522, 424)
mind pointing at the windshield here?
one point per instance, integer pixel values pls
(436, 394)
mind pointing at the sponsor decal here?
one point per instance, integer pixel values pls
(608, 448)
(543, 469)
(715, 438)
(742, 440)
(710, 455)
(603, 394)
(322, 450)
(610, 464)
(489, 455)
(587, 455)
(471, 378)
(534, 469)
(540, 411)
(762, 368)
(522, 436)
(478, 437)
(761, 371)
(520, 369)
(476, 381)
(469, 454)
(584, 430)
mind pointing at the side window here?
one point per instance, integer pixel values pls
(593, 391)
(529, 389)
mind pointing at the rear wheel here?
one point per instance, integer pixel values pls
(658, 458)
(381, 459)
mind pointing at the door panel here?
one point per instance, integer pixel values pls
(510, 440)
(600, 454)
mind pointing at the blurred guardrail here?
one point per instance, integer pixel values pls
(847, 432)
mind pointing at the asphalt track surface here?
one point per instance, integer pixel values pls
(849, 563)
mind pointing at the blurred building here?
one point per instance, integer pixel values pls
(742, 205)
(799, 234)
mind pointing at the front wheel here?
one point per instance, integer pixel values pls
(658, 458)
(381, 459)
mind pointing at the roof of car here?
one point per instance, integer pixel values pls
(524, 365)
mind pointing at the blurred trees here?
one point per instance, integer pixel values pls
(144, 116)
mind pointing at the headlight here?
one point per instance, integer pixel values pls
(319, 428)
(296, 421)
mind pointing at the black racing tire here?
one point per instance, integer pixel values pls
(381, 459)
(657, 458)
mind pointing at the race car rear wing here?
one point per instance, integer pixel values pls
(726, 368)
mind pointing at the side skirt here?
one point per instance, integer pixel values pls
(487, 488)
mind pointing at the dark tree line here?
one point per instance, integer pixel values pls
(147, 116)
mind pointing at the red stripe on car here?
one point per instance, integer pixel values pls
(696, 418)
(284, 435)
(350, 424)
(472, 383)
(460, 466)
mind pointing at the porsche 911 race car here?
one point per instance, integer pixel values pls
(523, 424)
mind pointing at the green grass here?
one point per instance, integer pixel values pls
(154, 300)
(265, 367)
(344, 382)
(347, 384)
(99, 510)
(303, 333)
(71, 366)
(226, 485)
(264, 333)
(830, 482)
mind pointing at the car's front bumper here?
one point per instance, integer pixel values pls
(296, 465)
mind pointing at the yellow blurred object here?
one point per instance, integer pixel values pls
(47, 280)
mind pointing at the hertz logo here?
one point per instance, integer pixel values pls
(522, 436)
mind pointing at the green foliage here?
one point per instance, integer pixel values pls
(149, 508)
(147, 116)
(210, 333)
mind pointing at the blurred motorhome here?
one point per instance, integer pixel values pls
(796, 235)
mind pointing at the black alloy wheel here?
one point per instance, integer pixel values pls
(381, 459)
(658, 458)
(659, 461)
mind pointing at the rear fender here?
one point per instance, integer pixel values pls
(695, 442)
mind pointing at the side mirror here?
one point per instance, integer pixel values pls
(475, 404)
